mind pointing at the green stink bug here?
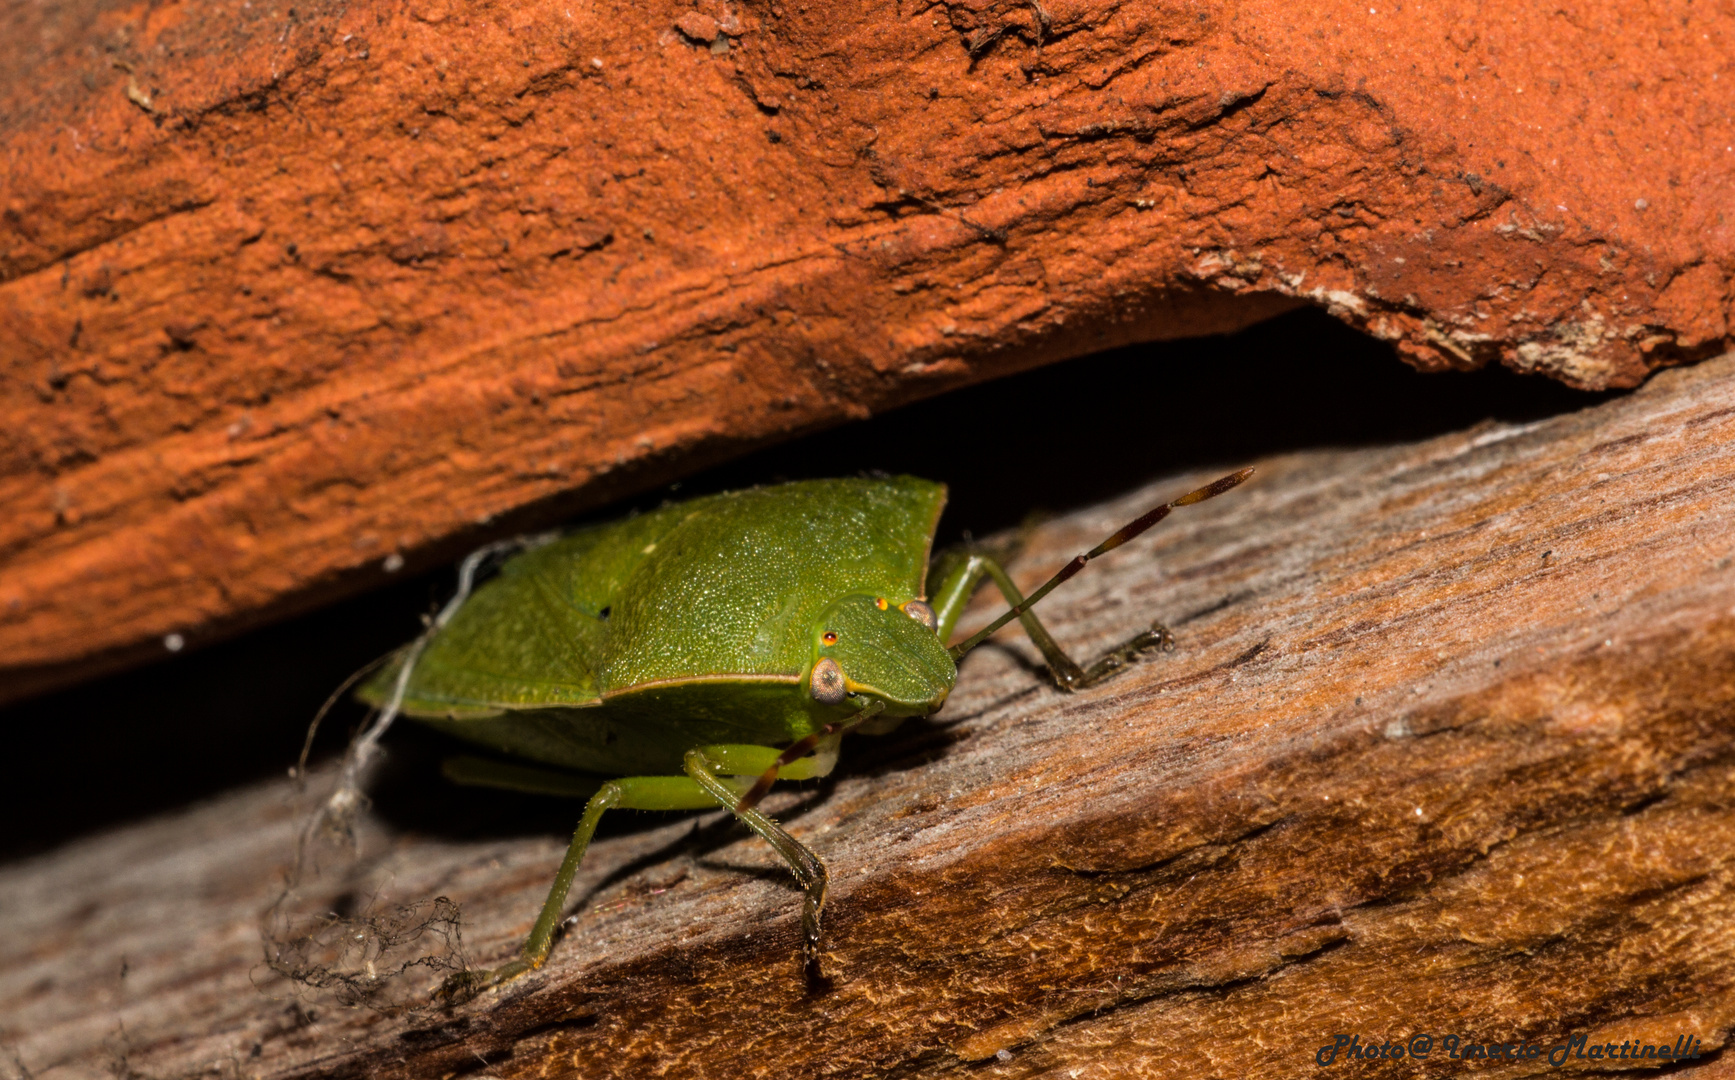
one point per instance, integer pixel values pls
(702, 651)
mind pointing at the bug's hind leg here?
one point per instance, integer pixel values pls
(803, 863)
(628, 793)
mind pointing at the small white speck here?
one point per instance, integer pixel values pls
(174, 642)
(393, 563)
(596, 62)
(1003, 1054)
(1418, 811)
(1641, 204)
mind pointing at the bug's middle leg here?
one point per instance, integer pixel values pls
(960, 583)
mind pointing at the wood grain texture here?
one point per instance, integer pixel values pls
(293, 289)
(1446, 747)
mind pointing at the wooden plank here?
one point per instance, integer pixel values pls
(1445, 748)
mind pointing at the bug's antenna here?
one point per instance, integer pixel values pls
(1125, 533)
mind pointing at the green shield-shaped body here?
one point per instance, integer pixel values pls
(619, 647)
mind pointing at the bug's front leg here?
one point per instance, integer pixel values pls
(960, 581)
(812, 756)
(703, 764)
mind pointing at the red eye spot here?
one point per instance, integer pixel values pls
(880, 602)
(829, 637)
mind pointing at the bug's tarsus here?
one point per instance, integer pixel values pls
(1156, 639)
(812, 908)
(462, 986)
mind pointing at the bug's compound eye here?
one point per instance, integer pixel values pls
(829, 637)
(880, 602)
(922, 613)
(826, 685)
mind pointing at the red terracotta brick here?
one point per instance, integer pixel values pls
(286, 291)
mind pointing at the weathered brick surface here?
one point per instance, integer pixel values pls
(285, 292)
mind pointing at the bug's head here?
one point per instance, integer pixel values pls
(874, 646)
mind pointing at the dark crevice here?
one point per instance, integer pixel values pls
(206, 720)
